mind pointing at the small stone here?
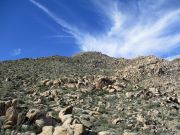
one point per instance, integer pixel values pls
(129, 133)
(129, 94)
(118, 88)
(49, 83)
(140, 118)
(24, 127)
(44, 81)
(28, 133)
(106, 133)
(40, 123)
(116, 121)
(56, 82)
(112, 90)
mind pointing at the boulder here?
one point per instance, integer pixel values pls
(47, 130)
(67, 119)
(11, 116)
(63, 118)
(79, 129)
(34, 114)
(44, 122)
(102, 82)
(60, 130)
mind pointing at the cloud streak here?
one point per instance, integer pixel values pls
(148, 32)
(67, 27)
(173, 57)
(16, 52)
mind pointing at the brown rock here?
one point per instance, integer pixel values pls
(79, 129)
(43, 120)
(67, 119)
(11, 116)
(47, 130)
(80, 84)
(60, 130)
(116, 121)
(103, 81)
(34, 114)
(49, 83)
(117, 88)
(140, 118)
(44, 81)
(56, 82)
(70, 85)
(46, 93)
(112, 90)
(129, 94)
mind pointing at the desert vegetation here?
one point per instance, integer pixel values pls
(90, 94)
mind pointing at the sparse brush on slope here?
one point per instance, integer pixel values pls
(90, 93)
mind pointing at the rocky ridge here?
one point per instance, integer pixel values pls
(90, 94)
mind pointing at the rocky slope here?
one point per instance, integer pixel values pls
(90, 94)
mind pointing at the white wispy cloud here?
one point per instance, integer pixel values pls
(60, 36)
(67, 27)
(173, 57)
(148, 33)
(142, 38)
(16, 52)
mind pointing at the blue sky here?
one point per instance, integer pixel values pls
(119, 28)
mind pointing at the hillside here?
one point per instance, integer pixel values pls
(90, 94)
